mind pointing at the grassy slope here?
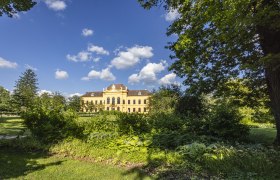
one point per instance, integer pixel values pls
(11, 125)
(19, 165)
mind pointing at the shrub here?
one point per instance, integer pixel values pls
(224, 122)
(50, 124)
(132, 123)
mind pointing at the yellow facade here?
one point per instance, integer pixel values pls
(116, 97)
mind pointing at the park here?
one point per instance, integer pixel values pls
(210, 109)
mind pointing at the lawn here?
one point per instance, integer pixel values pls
(21, 165)
(262, 135)
(11, 126)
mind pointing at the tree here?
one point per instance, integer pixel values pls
(4, 99)
(165, 99)
(26, 89)
(221, 40)
(74, 103)
(12, 7)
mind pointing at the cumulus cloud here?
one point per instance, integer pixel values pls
(75, 94)
(56, 5)
(27, 66)
(172, 15)
(44, 91)
(87, 32)
(80, 57)
(168, 79)
(147, 74)
(97, 49)
(60, 74)
(131, 56)
(104, 74)
(7, 64)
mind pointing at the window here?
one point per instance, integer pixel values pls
(91, 102)
(83, 102)
(95, 101)
(128, 109)
(95, 109)
(92, 94)
(107, 108)
(139, 109)
(139, 101)
(87, 102)
(134, 102)
(139, 93)
(108, 100)
(128, 102)
(113, 100)
(145, 101)
(118, 100)
(113, 109)
(123, 101)
(118, 108)
(145, 109)
(133, 109)
(100, 102)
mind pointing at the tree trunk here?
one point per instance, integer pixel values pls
(269, 35)
(272, 74)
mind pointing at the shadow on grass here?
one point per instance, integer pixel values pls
(14, 163)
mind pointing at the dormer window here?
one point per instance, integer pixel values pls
(139, 93)
(92, 94)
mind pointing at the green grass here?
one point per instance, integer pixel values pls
(11, 125)
(22, 165)
(262, 135)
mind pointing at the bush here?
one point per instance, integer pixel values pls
(224, 122)
(132, 123)
(49, 124)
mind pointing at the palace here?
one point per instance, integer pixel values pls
(116, 97)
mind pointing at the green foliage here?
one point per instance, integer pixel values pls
(240, 162)
(191, 105)
(12, 7)
(49, 123)
(222, 40)
(25, 90)
(132, 123)
(164, 99)
(225, 122)
(5, 99)
(74, 103)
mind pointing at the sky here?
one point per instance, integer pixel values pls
(79, 46)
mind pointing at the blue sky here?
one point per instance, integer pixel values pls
(78, 46)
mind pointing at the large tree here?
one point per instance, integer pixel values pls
(222, 40)
(12, 7)
(25, 90)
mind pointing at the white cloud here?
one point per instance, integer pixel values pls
(27, 66)
(44, 91)
(75, 94)
(97, 49)
(80, 57)
(59, 74)
(168, 79)
(148, 73)
(131, 56)
(7, 64)
(87, 32)
(172, 15)
(56, 5)
(104, 74)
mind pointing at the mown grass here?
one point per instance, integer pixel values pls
(11, 126)
(23, 165)
(262, 135)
